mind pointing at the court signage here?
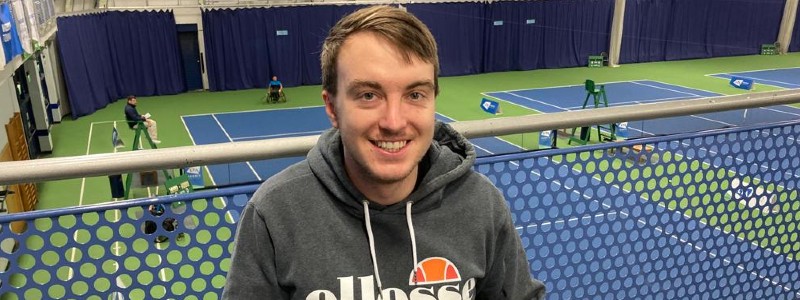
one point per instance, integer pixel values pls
(195, 176)
(115, 140)
(622, 130)
(546, 139)
(742, 83)
(490, 106)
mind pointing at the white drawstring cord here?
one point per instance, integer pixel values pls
(372, 249)
(413, 239)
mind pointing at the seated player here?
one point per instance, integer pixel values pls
(275, 89)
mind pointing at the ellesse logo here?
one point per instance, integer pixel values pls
(434, 270)
(429, 272)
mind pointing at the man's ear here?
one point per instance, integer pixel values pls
(330, 109)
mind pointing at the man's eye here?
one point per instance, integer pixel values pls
(416, 96)
(368, 96)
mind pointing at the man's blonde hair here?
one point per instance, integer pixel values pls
(397, 26)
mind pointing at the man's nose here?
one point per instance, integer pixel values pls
(394, 115)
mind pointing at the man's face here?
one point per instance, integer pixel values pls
(132, 101)
(384, 109)
(274, 77)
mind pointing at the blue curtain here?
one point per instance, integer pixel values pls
(86, 63)
(739, 27)
(459, 32)
(511, 43)
(645, 29)
(657, 30)
(794, 46)
(575, 29)
(516, 35)
(110, 55)
(145, 53)
(245, 47)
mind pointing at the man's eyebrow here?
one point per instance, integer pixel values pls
(358, 84)
(422, 83)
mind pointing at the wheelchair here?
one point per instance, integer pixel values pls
(275, 96)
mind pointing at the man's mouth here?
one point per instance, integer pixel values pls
(392, 146)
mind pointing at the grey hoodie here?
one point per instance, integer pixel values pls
(305, 234)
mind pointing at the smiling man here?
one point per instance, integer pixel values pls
(386, 205)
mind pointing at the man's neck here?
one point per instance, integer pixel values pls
(384, 193)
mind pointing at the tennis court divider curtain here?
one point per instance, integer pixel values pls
(562, 33)
(459, 32)
(86, 63)
(645, 29)
(511, 43)
(109, 55)
(575, 29)
(145, 53)
(245, 47)
(689, 29)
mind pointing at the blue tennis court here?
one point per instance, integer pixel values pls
(568, 98)
(788, 78)
(265, 124)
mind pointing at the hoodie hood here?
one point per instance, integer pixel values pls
(449, 157)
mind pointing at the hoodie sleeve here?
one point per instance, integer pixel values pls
(252, 274)
(509, 275)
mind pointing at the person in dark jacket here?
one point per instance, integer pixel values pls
(133, 117)
(386, 205)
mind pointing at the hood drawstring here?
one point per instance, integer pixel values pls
(413, 241)
(372, 248)
(371, 238)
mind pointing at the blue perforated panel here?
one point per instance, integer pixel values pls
(697, 217)
(705, 216)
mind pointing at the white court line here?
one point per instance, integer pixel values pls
(253, 110)
(83, 181)
(513, 103)
(693, 88)
(534, 100)
(501, 139)
(637, 102)
(188, 132)
(668, 89)
(108, 122)
(231, 140)
(277, 135)
(757, 70)
(726, 79)
(783, 112)
(80, 198)
(762, 80)
(566, 86)
(713, 120)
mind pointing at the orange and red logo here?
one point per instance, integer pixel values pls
(434, 270)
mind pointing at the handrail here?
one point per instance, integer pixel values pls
(179, 157)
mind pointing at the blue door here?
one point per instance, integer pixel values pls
(190, 55)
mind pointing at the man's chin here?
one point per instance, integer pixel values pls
(389, 176)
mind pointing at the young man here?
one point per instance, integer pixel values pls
(133, 117)
(386, 205)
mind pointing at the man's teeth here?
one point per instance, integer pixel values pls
(391, 146)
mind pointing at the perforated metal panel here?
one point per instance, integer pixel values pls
(711, 216)
(125, 251)
(705, 216)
